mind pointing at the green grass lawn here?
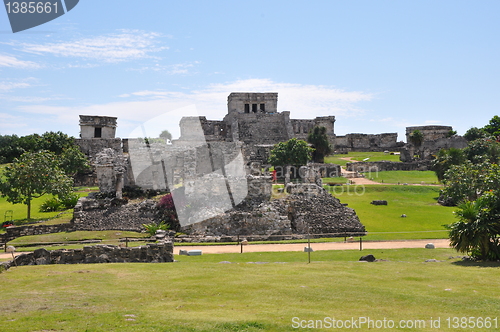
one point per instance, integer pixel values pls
(107, 237)
(425, 216)
(360, 156)
(420, 177)
(202, 294)
(19, 211)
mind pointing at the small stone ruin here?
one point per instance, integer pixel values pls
(149, 253)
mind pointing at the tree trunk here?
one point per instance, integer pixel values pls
(29, 209)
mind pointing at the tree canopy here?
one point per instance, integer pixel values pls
(12, 146)
(293, 152)
(33, 175)
(475, 133)
(318, 138)
(416, 138)
(166, 135)
(493, 127)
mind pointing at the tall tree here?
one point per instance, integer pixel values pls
(474, 133)
(293, 152)
(166, 135)
(445, 159)
(493, 127)
(33, 175)
(318, 138)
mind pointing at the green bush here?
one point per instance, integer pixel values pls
(51, 205)
(70, 201)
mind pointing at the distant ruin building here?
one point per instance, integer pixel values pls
(368, 142)
(97, 127)
(435, 138)
(253, 119)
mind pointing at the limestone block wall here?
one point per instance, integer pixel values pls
(237, 101)
(91, 147)
(13, 232)
(326, 170)
(263, 128)
(379, 166)
(149, 253)
(302, 127)
(105, 125)
(430, 133)
(367, 142)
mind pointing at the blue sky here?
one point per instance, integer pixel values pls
(378, 66)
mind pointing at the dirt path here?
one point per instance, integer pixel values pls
(440, 243)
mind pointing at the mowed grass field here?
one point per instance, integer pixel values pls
(255, 292)
(360, 156)
(425, 217)
(395, 177)
(19, 211)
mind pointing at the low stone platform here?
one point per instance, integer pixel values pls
(150, 253)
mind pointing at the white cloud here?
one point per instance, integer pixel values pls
(175, 69)
(8, 86)
(13, 62)
(10, 124)
(304, 101)
(116, 47)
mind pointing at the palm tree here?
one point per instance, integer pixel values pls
(477, 231)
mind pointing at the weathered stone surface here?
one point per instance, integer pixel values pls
(13, 232)
(106, 214)
(367, 142)
(379, 166)
(295, 214)
(150, 253)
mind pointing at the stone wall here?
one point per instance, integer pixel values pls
(13, 232)
(326, 170)
(302, 127)
(430, 133)
(379, 166)
(266, 102)
(367, 142)
(149, 253)
(429, 149)
(97, 126)
(91, 147)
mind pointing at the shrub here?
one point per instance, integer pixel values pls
(70, 200)
(167, 202)
(51, 205)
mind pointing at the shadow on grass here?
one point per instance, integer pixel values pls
(468, 263)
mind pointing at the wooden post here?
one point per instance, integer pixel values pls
(309, 244)
(126, 242)
(360, 243)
